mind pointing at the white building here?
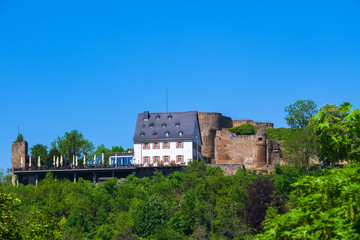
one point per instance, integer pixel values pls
(166, 137)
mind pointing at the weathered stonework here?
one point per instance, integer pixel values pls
(18, 150)
(253, 151)
(209, 123)
(257, 125)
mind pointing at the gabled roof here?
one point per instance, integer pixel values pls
(165, 126)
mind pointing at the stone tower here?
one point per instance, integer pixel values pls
(209, 124)
(18, 150)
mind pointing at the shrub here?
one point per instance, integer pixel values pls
(244, 129)
(278, 134)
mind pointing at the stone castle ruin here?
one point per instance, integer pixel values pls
(219, 147)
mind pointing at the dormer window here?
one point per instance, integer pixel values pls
(169, 116)
(177, 124)
(167, 134)
(142, 134)
(180, 133)
(154, 133)
(163, 125)
(157, 117)
(151, 125)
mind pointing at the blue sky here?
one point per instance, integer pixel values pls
(93, 65)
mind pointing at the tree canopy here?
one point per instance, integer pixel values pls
(300, 113)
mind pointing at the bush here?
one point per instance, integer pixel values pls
(244, 129)
(278, 134)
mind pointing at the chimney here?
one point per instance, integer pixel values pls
(146, 116)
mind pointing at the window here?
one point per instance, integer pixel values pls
(156, 159)
(146, 146)
(156, 145)
(154, 133)
(163, 125)
(166, 158)
(260, 139)
(166, 145)
(169, 116)
(157, 117)
(180, 133)
(179, 145)
(167, 134)
(179, 158)
(142, 134)
(146, 159)
(151, 125)
(177, 124)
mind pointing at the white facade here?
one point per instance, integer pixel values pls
(184, 148)
(167, 138)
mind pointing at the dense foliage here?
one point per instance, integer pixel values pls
(326, 207)
(244, 129)
(278, 134)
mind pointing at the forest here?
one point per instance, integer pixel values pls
(313, 195)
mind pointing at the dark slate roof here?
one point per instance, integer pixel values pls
(165, 126)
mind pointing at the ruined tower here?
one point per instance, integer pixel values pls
(19, 151)
(209, 123)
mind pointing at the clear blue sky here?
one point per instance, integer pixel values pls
(93, 65)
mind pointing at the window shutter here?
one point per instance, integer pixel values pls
(182, 144)
(143, 160)
(143, 145)
(182, 158)
(177, 157)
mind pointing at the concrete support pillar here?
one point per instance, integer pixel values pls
(84, 161)
(17, 182)
(94, 159)
(76, 162)
(102, 159)
(94, 177)
(74, 176)
(36, 179)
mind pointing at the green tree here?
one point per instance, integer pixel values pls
(300, 145)
(9, 224)
(338, 132)
(40, 150)
(19, 138)
(102, 149)
(326, 207)
(72, 144)
(300, 113)
(117, 149)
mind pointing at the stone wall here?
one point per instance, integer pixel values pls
(209, 123)
(257, 125)
(18, 150)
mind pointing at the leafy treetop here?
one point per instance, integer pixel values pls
(19, 138)
(300, 113)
